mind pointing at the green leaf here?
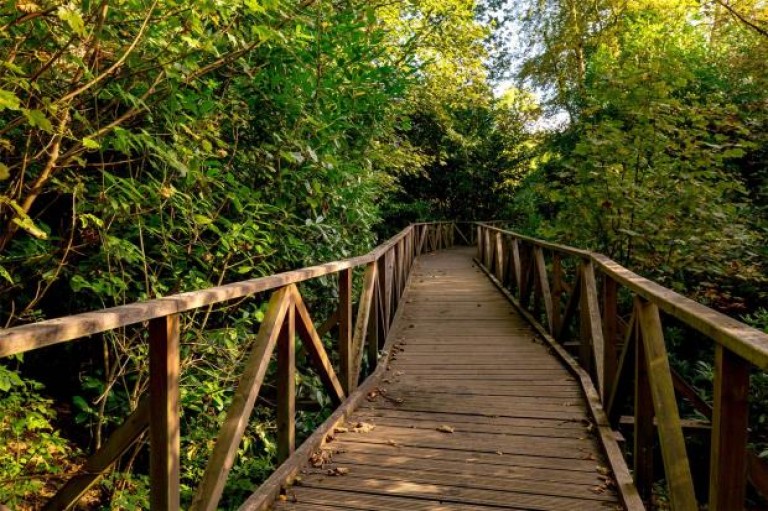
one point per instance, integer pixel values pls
(81, 403)
(8, 100)
(90, 143)
(37, 119)
(72, 17)
(202, 219)
(4, 172)
(6, 275)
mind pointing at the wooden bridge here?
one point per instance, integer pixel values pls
(482, 370)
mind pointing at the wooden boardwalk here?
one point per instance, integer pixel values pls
(473, 413)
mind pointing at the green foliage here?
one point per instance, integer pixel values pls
(154, 147)
(653, 167)
(31, 451)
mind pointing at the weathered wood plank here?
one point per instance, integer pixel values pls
(676, 467)
(591, 326)
(543, 284)
(314, 347)
(220, 463)
(364, 309)
(346, 351)
(728, 460)
(164, 409)
(286, 387)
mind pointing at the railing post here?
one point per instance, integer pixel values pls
(286, 387)
(610, 333)
(644, 434)
(728, 461)
(557, 292)
(165, 440)
(346, 357)
(480, 244)
(500, 257)
(373, 330)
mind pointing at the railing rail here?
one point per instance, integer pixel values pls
(387, 269)
(619, 353)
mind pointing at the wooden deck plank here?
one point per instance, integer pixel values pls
(473, 413)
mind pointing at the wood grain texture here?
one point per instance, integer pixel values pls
(673, 452)
(728, 461)
(286, 387)
(468, 412)
(212, 485)
(164, 411)
(749, 343)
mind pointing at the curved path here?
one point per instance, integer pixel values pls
(474, 413)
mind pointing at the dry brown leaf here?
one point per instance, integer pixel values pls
(445, 429)
(363, 427)
(320, 458)
(337, 471)
(603, 470)
(340, 429)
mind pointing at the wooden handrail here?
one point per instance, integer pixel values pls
(516, 262)
(286, 319)
(748, 342)
(54, 331)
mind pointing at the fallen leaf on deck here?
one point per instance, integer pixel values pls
(603, 470)
(445, 429)
(393, 443)
(320, 458)
(340, 429)
(338, 471)
(363, 427)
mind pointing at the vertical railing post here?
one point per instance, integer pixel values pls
(526, 261)
(557, 292)
(728, 461)
(644, 434)
(164, 435)
(610, 318)
(286, 387)
(374, 341)
(499, 256)
(346, 357)
(480, 244)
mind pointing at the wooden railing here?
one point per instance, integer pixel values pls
(625, 354)
(386, 273)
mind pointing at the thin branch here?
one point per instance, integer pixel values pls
(760, 30)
